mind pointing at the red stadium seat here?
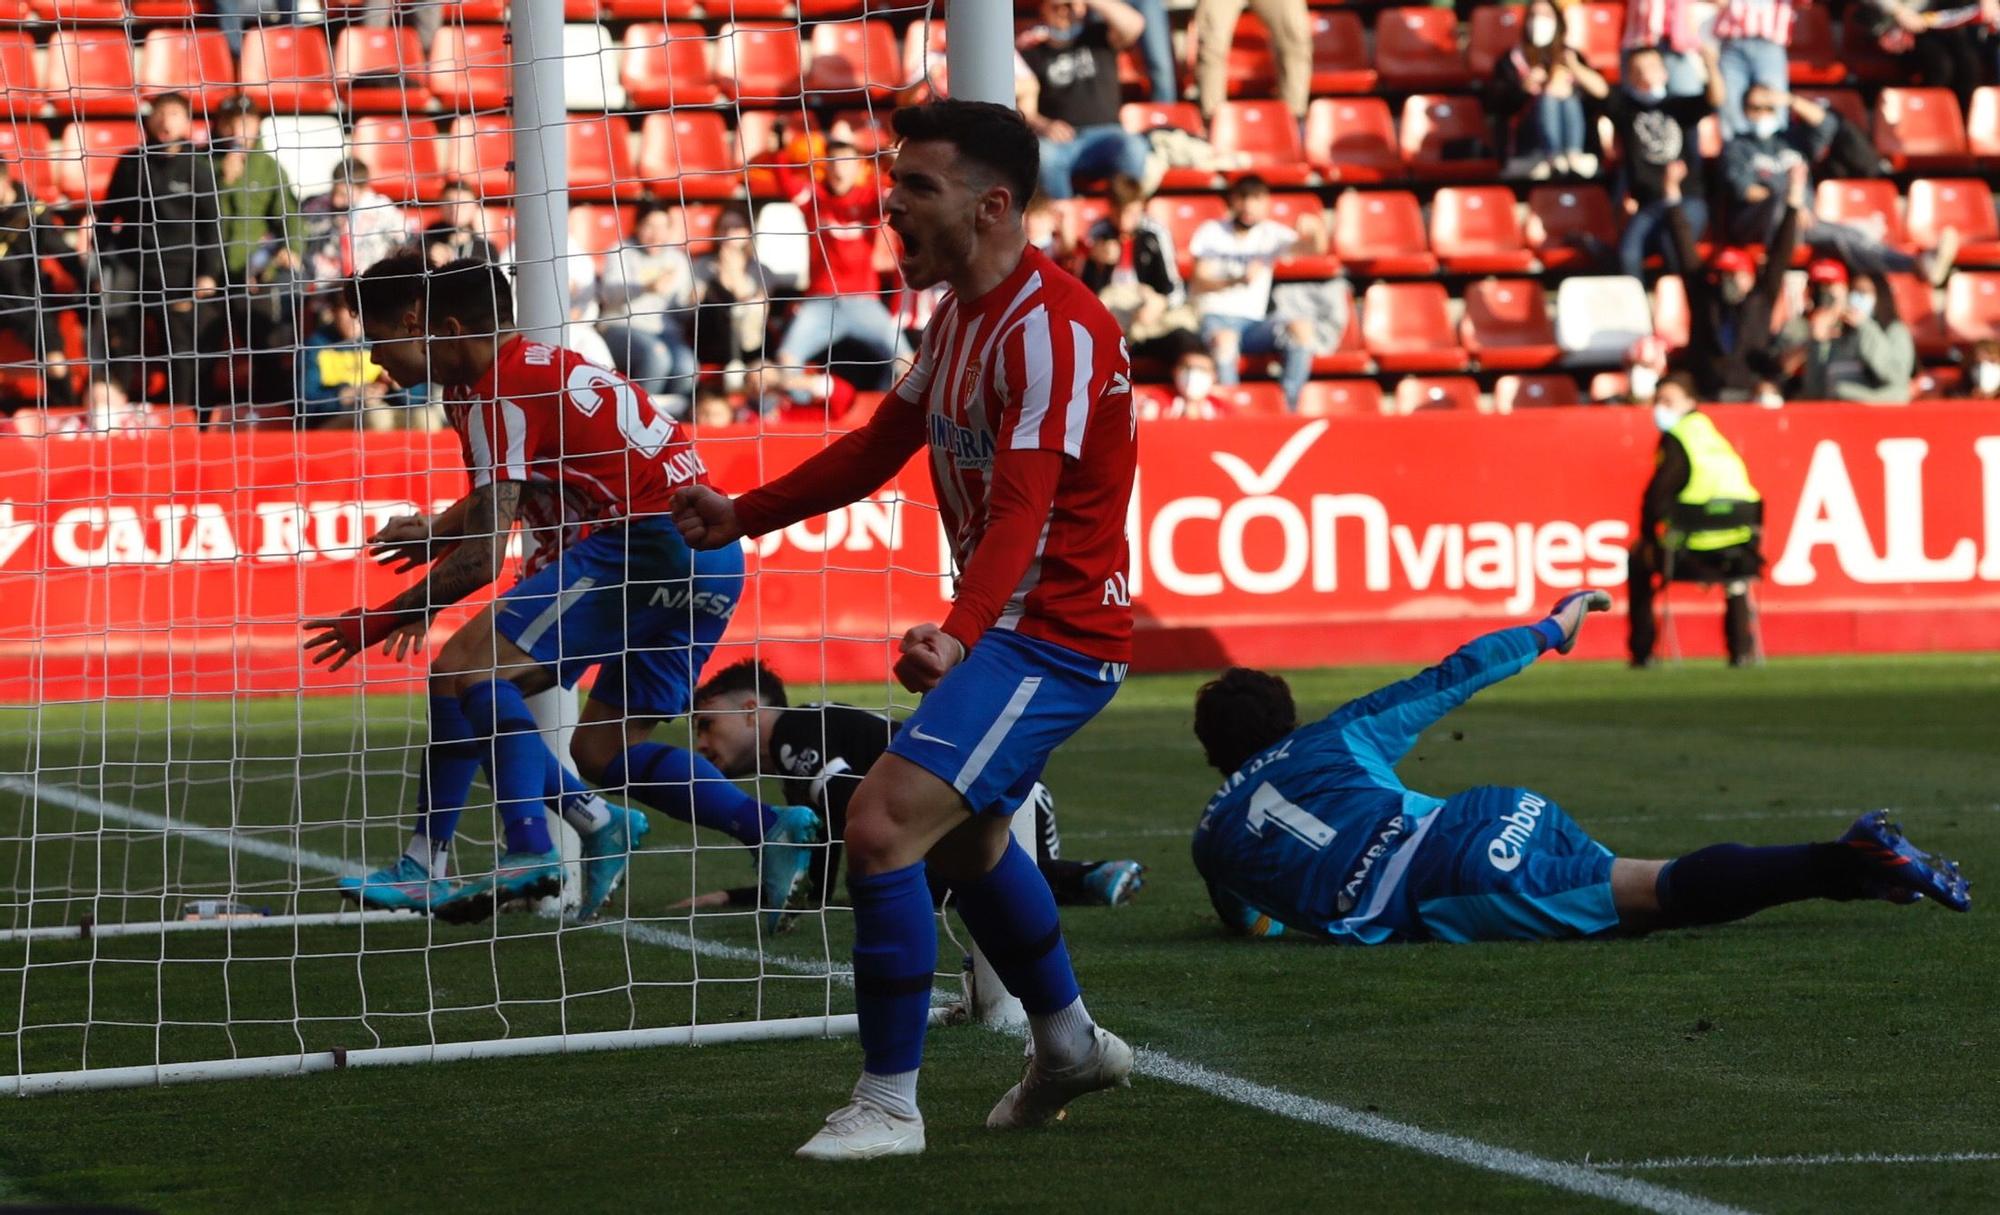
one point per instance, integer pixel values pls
(923, 52)
(1287, 209)
(1350, 357)
(1474, 231)
(1512, 392)
(649, 10)
(382, 71)
(1597, 31)
(24, 146)
(667, 65)
(1251, 69)
(15, 12)
(477, 151)
(1432, 130)
(1381, 233)
(21, 91)
(1961, 203)
(854, 60)
(469, 67)
(401, 155)
(89, 73)
(1265, 133)
(1916, 303)
(288, 69)
(1845, 102)
(1673, 319)
(1507, 325)
(1921, 129)
(1340, 61)
(195, 62)
(475, 12)
(1869, 203)
(754, 10)
(600, 159)
(1415, 394)
(86, 154)
(1417, 48)
(1140, 117)
(1569, 226)
(1972, 306)
(1495, 30)
(1813, 59)
(1182, 215)
(1259, 400)
(687, 154)
(758, 64)
(1340, 399)
(1982, 125)
(77, 12)
(599, 230)
(1407, 327)
(1353, 139)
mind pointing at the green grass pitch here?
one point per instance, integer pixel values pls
(1816, 1030)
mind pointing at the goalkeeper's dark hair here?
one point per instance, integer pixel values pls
(475, 293)
(1241, 712)
(749, 675)
(994, 137)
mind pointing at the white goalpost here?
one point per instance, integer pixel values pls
(180, 792)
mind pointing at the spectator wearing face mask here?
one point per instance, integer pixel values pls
(1753, 36)
(1194, 392)
(1982, 372)
(1066, 83)
(1732, 309)
(1850, 345)
(1656, 129)
(1545, 81)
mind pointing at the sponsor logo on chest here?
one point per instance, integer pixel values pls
(968, 447)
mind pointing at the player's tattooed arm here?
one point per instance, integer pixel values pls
(408, 541)
(476, 560)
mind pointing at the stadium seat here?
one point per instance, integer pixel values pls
(1407, 327)
(1286, 209)
(1597, 31)
(288, 69)
(477, 152)
(853, 61)
(25, 145)
(1598, 317)
(1340, 399)
(1972, 306)
(667, 65)
(753, 10)
(649, 10)
(1570, 226)
(16, 12)
(469, 67)
(1181, 215)
(1266, 134)
(1416, 393)
(1417, 48)
(1493, 32)
(77, 12)
(1862, 53)
(1352, 139)
(1436, 130)
(758, 64)
(1507, 325)
(598, 230)
(1916, 303)
(401, 155)
(89, 73)
(1251, 70)
(1474, 231)
(1140, 117)
(592, 65)
(686, 154)
(307, 147)
(194, 62)
(1962, 203)
(1921, 129)
(1340, 55)
(600, 159)
(382, 71)
(1673, 319)
(1982, 125)
(1350, 357)
(923, 53)
(1610, 386)
(21, 91)
(1511, 392)
(1867, 203)
(1262, 399)
(1380, 233)
(1813, 59)
(86, 154)
(474, 12)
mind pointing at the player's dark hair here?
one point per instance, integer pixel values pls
(475, 293)
(1241, 712)
(749, 675)
(994, 137)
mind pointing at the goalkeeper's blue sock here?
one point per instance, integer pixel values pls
(1013, 917)
(444, 782)
(1729, 881)
(498, 715)
(895, 956)
(683, 785)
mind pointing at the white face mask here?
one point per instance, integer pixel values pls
(1644, 380)
(1647, 96)
(1665, 417)
(1862, 302)
(1766, 126)
(1541, 30)
(1986, 377)
(1194, 384)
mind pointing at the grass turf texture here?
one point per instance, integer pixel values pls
(1813, 1029)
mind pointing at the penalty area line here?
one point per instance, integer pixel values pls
(1781, 1162)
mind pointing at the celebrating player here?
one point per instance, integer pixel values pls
(1314, 832)
(1021, 389)
(746, 726)
(577, 455)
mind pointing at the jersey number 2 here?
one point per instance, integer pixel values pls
(647, 435)
(1267, 805)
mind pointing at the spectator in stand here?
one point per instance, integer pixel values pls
(1645, 366)
(106, 407)
(160, 229)
(424, 16)
(1753, 37)
(263, 241)
(712, 406)
(644, 297)
(235, 15)
(27, 310)
(1982, 372)
(1759, 166)
(1233, 258)
(843, 301)
(731, 310)
(1194, 392)
(1156, 47)
(1050, 230)
(460, 231)
(1672, 29)
(1733, 309)
(1850, 345)
(1291, 44)
(1655, 129)
(339, 385)
(1129, 263)
(1066, 83)
(1545, 78)
(1945, 43)
(350, 227)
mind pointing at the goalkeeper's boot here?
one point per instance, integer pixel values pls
(406, 885)
(783, 860)
(606, 853)
(1899, 871)
(1113, 883)
(862, 1130)
(1044, 1091)
(519, 877)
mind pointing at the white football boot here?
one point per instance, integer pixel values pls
(1044, 1091)
(862, 1130)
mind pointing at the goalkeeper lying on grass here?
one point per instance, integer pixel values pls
(1314, 832)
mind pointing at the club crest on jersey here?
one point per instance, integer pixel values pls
(968, 448)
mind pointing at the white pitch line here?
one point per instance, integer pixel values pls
(1779, 1162)
(218, 837)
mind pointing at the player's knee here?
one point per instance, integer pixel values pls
(593, 748)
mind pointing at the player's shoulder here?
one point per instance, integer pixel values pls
(1061, 294)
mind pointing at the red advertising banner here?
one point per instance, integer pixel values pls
(180, 562)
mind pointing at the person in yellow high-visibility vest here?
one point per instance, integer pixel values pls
(1698, 522)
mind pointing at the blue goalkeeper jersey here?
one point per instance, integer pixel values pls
(1317, 833)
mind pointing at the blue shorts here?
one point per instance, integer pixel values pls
(990, 726)
(1506, 864)
(633, 600)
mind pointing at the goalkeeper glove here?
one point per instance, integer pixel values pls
(1565, 619)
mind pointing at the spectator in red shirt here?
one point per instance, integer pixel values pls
(843, 303)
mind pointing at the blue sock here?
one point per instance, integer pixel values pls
(683, 785)
(498, 716)
(1013, 917)
(444, 779)
(895, 956)
(1729, 881)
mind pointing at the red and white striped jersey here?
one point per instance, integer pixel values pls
(1669, 24)
(1767, 19)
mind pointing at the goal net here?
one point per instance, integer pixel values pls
(201, 448)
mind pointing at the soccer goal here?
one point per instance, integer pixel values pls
(181, 790)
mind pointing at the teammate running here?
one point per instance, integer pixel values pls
(1022, 391)
(578, 455)
(1313, 832)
